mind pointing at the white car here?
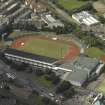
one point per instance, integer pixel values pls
(50, 94)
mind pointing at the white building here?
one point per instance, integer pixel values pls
(51, 21)
(85, 18)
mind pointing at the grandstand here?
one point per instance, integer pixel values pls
(28, 58)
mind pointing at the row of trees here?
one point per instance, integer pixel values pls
(88, 38)
(87, 6)
(68, 27)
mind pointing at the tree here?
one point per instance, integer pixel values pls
(69, 93)
(48, 71)
(102, 19)
(47, 101)
(52, 77)
(39, 72)
(55, 80)
(35, 92)
(63, 87)
(90, 40)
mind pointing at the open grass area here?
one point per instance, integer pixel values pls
(45, 47)
(71, 4)
(41, 80)
(94, 52)
(101, 87)
(37, 99)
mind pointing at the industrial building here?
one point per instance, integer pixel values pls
(51, 21)
(78, 71)
(85, 17)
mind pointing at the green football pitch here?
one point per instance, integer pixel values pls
(44, 47)
(71, 4)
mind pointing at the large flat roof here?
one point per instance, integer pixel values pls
(86, 18)
(77, 76)
(81, 63)
(81, 68)
(29, 55)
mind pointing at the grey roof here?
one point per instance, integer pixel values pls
(77, 76)
(81, 67)
(81, 63)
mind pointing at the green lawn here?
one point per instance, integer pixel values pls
(47, 48)
(71, 4)
(101, 87)
(42, 81)
(37, 99)
(94, 52)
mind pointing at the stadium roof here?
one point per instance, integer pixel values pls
(81, 68)
(77, 76)
(81, 63)
(30, 55)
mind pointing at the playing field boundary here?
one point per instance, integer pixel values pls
(72, 52)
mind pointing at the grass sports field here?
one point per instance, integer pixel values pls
(40, 46)
(71, 4)
(47, 46)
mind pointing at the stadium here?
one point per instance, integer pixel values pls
(52, 47)
(42, 51)
(54, 53)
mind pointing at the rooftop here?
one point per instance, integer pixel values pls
(29, 55)
(86, 18)
(81, 63)
(78, 76)
(81, 68)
